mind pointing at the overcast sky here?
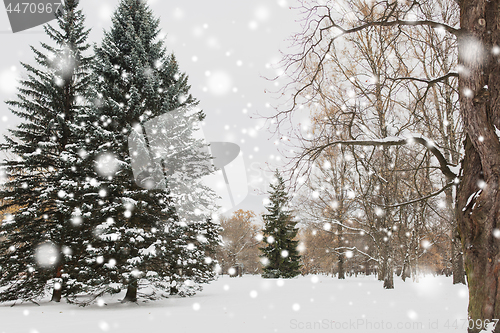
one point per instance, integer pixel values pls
(226, 47)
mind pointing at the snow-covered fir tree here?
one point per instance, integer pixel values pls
(39, 243)
(153, 229)
(280, 255)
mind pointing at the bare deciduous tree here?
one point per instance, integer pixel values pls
(239, 251)
(477, 203)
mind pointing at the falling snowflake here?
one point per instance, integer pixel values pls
(46, 255)
(412, 315)
(496, 233)
(471, 51)
(264, 261)
(426, 244)
(107, 165)
(104, 326)
(219, 83)
(262, 13)
(9, 81)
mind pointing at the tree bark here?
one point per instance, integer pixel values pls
(387, 271)
(381, 269)
(174, 290)
(341, 271)
(457, 260)
(406, 271)
(367, 267)
(389, 274)
(56, 295)
(57, 292)
(131, 295)
(478, 195)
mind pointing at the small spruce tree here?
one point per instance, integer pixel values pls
(280, 255)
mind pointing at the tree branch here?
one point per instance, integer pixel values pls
(429, 82)
(431, 24)
(392, 141)
(354, 248)
(416, 200)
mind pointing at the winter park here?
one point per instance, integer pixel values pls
(268, 166)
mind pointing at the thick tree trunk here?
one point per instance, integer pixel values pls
(478, 195)
(131, 295)
(481, 253)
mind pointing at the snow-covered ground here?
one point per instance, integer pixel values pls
(253, 304)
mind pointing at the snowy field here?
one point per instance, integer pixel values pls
(253, 304)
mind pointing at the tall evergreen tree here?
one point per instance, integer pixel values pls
(152, 229)
(280, 255)
(40, 242)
